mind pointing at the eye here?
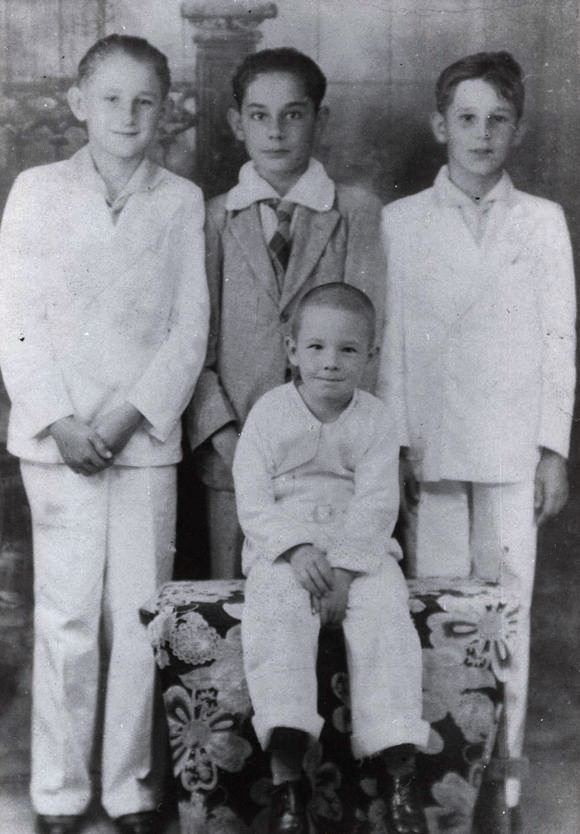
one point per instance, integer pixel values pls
(349, 350)
(294, 115)
(257, 117)
(314, 346)
(112, 98)
(466, 118)
(146, 102)
(499, 119)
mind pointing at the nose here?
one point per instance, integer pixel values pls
(486, 128)
(129, 111)
(276, 128)
(330, 360)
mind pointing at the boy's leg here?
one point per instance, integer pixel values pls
(141, 544)
(384, 662)
(225, 535)
(386, 703)
(504, 538)
(69, 537)
(280, 640)
(442, 530)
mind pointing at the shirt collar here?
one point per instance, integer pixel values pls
(314, 190)
(448, 194)
(144, 178)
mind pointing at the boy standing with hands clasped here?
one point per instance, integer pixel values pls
(479, 356)
(103, 333)
(316, 476)
(283, 229)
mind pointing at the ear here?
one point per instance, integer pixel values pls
(322, 120)
(291, 350)
(519, 132)
(235, 123)
(373, 352)
(439, 127)
(76, 102)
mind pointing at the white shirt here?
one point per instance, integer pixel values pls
(314, 190)
(334, 485)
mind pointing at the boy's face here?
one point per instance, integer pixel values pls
(278, 124)
(479, 128)
(121, 102)
(331, 349)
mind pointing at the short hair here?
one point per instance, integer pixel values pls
(338, 296)
(500, 69)
(137, 48)
(283, 59)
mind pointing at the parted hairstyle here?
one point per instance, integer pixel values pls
(283, 59)
(338, 296)
(137, 48)
(500, 69)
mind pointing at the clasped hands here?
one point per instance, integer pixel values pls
(88, 448)
(328, 587)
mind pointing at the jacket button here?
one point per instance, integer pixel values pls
(284, 317)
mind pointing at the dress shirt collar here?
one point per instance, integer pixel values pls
(144, 178)
(314, 190)
(448, 194)
(299, 404)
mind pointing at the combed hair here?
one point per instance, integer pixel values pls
(283, 59)
(137, 48)
(500, 69)
(338, 296)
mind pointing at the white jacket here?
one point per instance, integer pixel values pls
(479, 350)
(94, 313)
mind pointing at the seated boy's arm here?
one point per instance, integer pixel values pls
(372, 513)
(551, 485)
(210, 410)
(166, 385)
(269, 529)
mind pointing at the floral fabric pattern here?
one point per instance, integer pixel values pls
(468, 630)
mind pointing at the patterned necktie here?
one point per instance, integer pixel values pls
(280, 243)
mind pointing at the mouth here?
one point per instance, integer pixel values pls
(329, 379)
(482, 151)
(276, 153)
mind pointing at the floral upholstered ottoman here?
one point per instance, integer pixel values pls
(467, 630)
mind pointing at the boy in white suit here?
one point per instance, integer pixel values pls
(316, 476)
(479, 352)
(103, 333)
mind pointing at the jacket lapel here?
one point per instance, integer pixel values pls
(312, 232)
(246, 227)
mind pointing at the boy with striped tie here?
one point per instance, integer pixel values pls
(283, 229)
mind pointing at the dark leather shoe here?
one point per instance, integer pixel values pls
(144, 822)
(404, 812)
(61, 824)
(288, 809)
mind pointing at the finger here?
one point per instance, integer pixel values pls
(100, 446)
(538, 494)
(314, 604)
(308, 585)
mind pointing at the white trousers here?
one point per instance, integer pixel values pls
(102, 546)
(488, 531)
(280, 641)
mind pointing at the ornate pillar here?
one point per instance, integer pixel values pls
(225, 32)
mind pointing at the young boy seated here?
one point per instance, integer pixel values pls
(316, 476)
(479, 351)
(283, 229)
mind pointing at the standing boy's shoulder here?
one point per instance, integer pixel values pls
(399, 211)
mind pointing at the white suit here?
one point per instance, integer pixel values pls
(334, 485)
(478, 361)
(100, 305)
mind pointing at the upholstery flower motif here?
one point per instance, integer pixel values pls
(192, 639)
(159, 630)
(325, 779)
(175, 594)
(456, 800)
(226, 676)
(451, 687)
(341, 716)
(202, 738)
(486, 635)
(371, 821)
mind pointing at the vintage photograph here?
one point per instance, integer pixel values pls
(289, 448)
